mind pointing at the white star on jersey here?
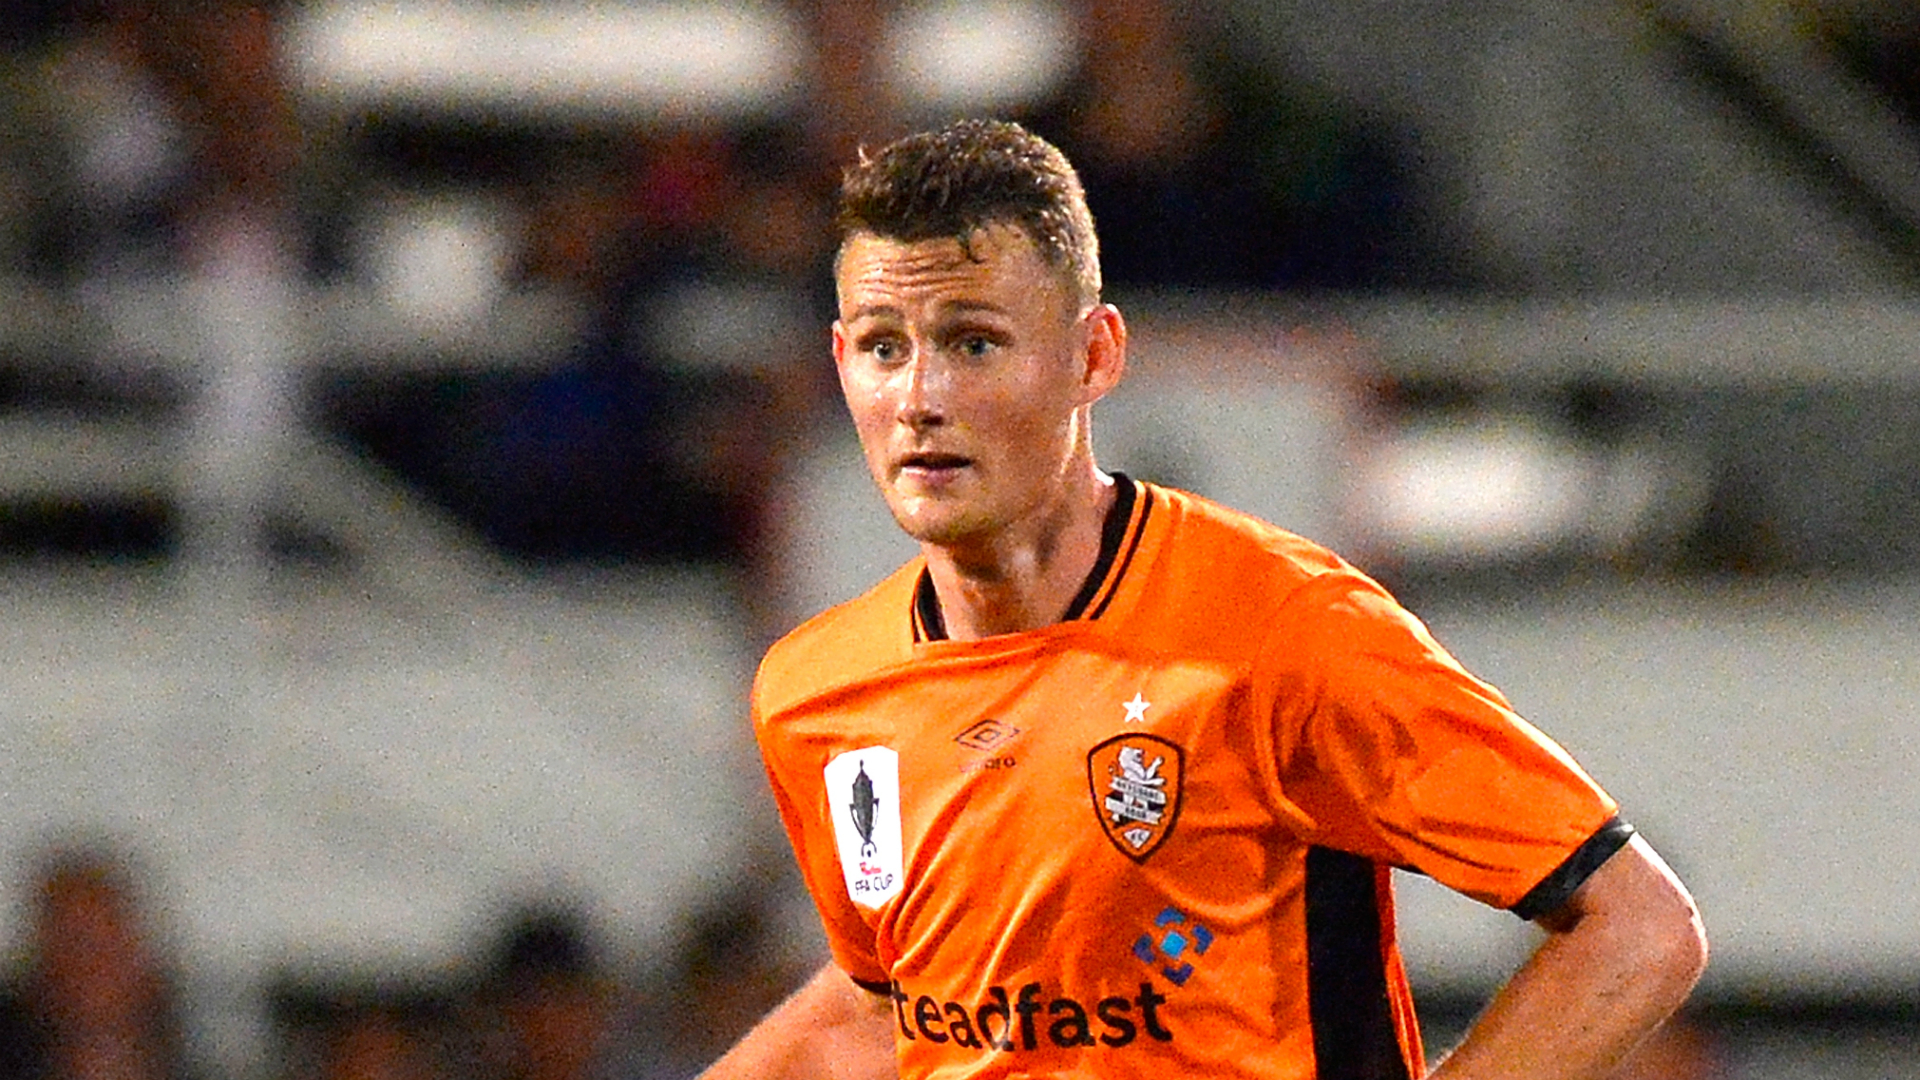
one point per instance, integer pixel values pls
(1137, 708)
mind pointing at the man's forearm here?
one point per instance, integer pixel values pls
(828, 1030)
(1618, 960)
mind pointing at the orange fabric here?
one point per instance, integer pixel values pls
(1102, 825)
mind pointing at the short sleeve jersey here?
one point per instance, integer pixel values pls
(1154, 839)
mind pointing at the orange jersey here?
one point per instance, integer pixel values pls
(1154, 839)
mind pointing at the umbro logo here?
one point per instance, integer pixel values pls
(986, 734)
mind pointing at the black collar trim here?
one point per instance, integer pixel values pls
(1095, 593)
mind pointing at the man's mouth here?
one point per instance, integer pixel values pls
(930, 462)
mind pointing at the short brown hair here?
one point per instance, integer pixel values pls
(969, 175)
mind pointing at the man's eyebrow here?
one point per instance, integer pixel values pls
(963, 306)
(869, 311)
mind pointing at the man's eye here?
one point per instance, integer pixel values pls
(885, 351)
(976, 345)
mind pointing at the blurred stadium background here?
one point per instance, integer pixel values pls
(415, 416)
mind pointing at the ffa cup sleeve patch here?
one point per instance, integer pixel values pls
(863, 797)
(1136, 786)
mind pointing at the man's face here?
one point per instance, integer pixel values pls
(965, 373)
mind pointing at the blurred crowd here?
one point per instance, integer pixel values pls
(95, 993)
(92, 999)
(143, 140)
(141, 137)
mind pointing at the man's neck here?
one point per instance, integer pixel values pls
(1027, 580)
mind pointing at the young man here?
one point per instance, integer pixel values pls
(1108, 781)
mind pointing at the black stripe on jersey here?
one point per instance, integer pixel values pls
(1133, 546)
(1558, 887)
(930, 625)
(1113, 533)
(1354, 1037)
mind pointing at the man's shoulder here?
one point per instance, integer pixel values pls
(1225, 580)
(1234, 548)
(1255, 573)
(840, 644)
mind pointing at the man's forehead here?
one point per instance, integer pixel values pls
(995, 241)
(869, 262)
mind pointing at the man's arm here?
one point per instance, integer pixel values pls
(830, 1029)
(1620, 957)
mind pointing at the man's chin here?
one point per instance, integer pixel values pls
(941, 525)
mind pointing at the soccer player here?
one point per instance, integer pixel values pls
(1108, 782)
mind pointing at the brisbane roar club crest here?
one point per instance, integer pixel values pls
(1136, 785)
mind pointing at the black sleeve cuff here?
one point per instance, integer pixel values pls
(1558, 887)
(884, 989)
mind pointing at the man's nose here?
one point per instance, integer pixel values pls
(925, 383)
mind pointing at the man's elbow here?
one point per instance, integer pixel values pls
(1672, 947)
(1635, 908)
(1683, 950)
(1672, 937)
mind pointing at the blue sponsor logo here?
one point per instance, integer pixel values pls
(1173, 944)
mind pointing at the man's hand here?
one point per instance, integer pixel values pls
(1620, 957)
(830, 1029)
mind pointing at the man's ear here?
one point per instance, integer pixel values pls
(1105, 351)
(839, 341)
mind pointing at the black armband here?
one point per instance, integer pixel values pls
(1558, 887)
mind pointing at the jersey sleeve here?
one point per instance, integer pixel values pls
(800, 795)
(1396, 753)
